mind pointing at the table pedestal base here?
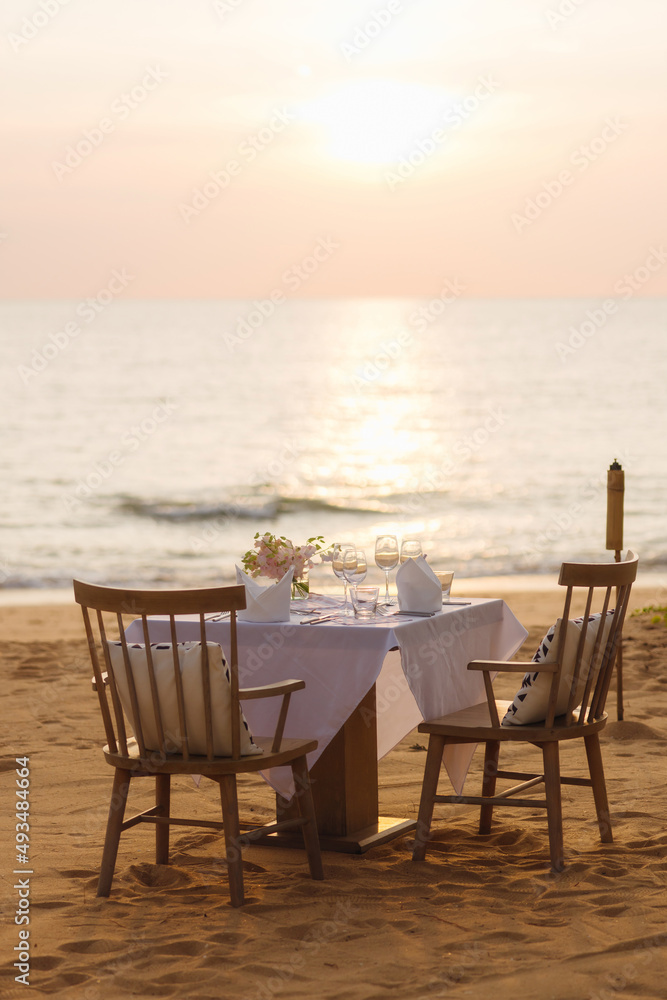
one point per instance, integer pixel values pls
(344, 781)
(387, 828)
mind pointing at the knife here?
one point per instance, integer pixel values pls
(417, 614)
(316, 621)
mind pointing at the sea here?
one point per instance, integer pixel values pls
(146, 442)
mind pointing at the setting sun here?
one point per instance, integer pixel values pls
(375, 122)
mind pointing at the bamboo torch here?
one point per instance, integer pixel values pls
(615, 495)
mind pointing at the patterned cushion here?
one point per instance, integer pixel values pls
(189, 658)
(531, 700)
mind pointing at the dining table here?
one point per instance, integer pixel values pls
(368, 685)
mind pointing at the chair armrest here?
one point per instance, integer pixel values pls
(284, 688)
(505, 666)
(512, 667)
(270, 690)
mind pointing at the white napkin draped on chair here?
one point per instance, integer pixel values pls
(418, 587)
(265, 604)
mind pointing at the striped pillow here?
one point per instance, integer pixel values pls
(531, 700)
(190, 661)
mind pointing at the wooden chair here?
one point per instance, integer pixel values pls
(137, 756)
(482, 723)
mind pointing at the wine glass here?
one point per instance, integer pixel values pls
(410, 549)
(386, 558)
(355, 572)
(339, 550)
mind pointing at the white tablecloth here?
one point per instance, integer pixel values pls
(418, 667)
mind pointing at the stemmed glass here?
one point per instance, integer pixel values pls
(386, 558)
(410, 549)
(337, 564)
(354, 570)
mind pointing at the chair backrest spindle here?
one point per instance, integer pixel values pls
(234, 680)
(155, 698)
(113, 687)
(180, 698)
(99, 683)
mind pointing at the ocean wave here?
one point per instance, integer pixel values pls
(351, 505)
(175, 510)
(250, 508)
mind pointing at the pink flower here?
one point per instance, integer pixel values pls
(273, 555)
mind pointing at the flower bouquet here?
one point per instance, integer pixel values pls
(273, 555)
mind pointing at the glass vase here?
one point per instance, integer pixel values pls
(301, 586)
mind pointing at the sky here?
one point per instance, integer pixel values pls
(320, 148)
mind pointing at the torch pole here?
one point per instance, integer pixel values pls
(615, 496)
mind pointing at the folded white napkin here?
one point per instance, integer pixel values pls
(265, 604)
(418, 587)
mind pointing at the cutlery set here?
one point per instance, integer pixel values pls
(380, 614)
(333, 616)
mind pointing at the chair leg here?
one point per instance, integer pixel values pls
(230, 819)
(121, 787)
(550, 755)
(491, 754)
(162, 797)
(304, 799)
(594, 755)
(436, 746)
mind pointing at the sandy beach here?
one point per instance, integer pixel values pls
(482, 917)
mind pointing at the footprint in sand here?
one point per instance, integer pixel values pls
(91, 946)
(230, 938)
(611, 911)
(55, 904)
(158, 876)
(505, 937)
(44, 963)
(180, 948)
(61, 983)
(547, 921)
